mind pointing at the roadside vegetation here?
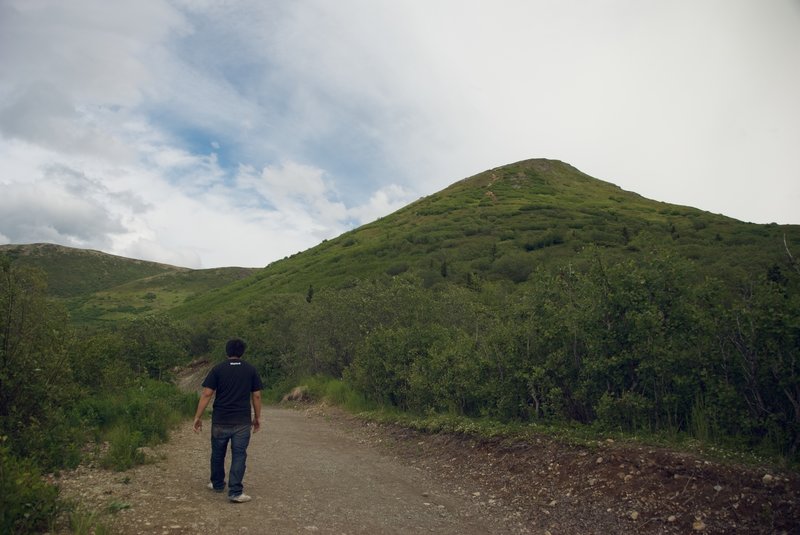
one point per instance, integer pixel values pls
(64, 394)
(626, 349)
(330, 391)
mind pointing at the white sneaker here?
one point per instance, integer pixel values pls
(210, 486)
(241, 498)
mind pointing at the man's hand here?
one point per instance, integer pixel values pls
(255, 399)
(202, 403)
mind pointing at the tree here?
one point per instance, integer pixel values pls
(383, 363)
(449, 375)
(35, 378)
(763, 340)
(153, 345)
(644, 349)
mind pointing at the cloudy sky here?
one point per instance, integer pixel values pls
(209, 133)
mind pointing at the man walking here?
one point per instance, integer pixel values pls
(236, 385)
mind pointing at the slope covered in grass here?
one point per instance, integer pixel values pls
(504, 223)
(99, 287)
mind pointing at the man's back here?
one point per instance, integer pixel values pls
(233, 382)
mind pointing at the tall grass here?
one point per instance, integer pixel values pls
(138, 416)
(87, 523)
(124, 448)
(700, 421)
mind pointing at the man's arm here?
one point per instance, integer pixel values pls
(205, 398)
(256, 400)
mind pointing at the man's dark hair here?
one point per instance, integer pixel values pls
(235, 348)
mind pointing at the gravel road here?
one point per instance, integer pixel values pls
(306, 474)
(318, 470)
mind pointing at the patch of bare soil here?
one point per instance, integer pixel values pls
(319, 470)
(611, 488)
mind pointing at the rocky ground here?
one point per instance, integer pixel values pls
(607, 488)
(318, 470)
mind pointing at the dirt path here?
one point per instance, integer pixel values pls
(319, 470)
(305, 473)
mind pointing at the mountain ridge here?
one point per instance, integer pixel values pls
(95, 285)
(537, 212)
(496, 226)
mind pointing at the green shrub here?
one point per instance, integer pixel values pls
(700, 422)
(628, 412)
(134, 417)
(27, 503)
(342, 394)
(274, 393)
(515, 266)
(52, 444)
(87, 523)
(397, 269)
(151, 406)
(124, 452)
(543, 241)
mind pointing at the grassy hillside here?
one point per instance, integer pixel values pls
(101, 287)
(501, 224)
(497, 226)
(79, 272)
(158, 293)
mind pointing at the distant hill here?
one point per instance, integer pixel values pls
(502, 223)
(101, 286)
(77, 272)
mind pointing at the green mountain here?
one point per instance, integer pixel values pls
(96, 286)
(78, 272)
(503, 223)
(497, 226)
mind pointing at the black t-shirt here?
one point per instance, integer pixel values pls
(233, 381)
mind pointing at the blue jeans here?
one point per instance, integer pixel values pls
(239, 437)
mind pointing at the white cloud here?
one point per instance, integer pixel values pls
(39, 212)
(382, 202)
(175, 158)
(299, 190)
(292, 180)
(155, 251)
(223, 229)
(97, 51)
(67, 68)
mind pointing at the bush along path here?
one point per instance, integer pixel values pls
(318, 470)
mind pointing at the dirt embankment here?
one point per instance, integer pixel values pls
(317, 470)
